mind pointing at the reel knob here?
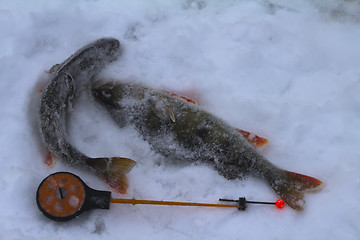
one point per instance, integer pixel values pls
(62, 196)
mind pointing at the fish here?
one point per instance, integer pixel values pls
(65, 83)
(184, 133)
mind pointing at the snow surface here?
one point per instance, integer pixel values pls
(286, 70)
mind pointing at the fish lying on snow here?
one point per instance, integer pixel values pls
(77, 71)
(184, 133)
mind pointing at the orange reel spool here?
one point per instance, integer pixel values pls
(63, 196)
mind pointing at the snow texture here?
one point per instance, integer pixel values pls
(285, 70)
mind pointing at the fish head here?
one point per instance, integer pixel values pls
(108, 93)
(109, 47)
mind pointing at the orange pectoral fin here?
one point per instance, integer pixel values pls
(255, 140)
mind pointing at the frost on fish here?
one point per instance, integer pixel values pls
(184, 133)
(77, 71)
(255, 140)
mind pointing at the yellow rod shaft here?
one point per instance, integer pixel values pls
(134, 201)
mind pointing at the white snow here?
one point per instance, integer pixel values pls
(285, 70)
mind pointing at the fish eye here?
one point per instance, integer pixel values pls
(106, 93)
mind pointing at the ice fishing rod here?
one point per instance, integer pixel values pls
(63, 196)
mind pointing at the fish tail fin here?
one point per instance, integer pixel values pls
(113, 170)
(118, 182)
(116, 174)
(291, 187)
